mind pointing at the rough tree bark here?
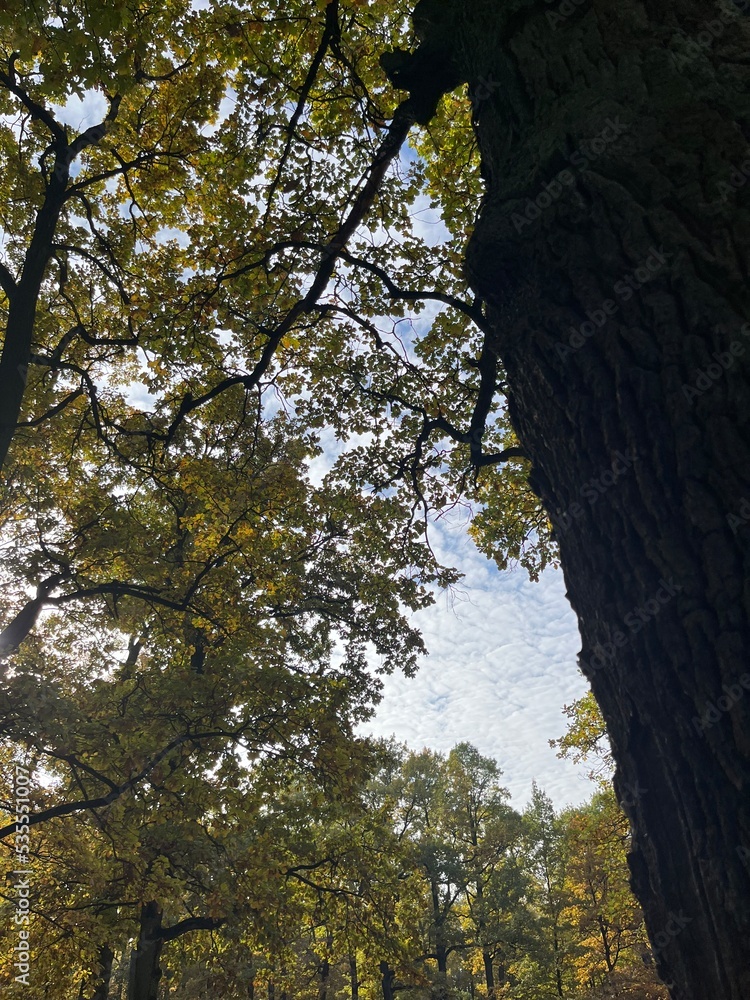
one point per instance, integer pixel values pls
(145, 972)
(611, 253)
(144, 961)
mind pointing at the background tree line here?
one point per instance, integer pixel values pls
(398, 873)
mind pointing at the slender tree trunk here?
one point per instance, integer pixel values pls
(120, 975)
(441, 951)
(354, 977)
(558, 964)
(605, 944)
(325, 972)
(23, 295)
(612, 255)
(489, 973)
(144, 961)
(103, 974)
(439, 925)
(501, 975)
(386, 982)
(19, 333)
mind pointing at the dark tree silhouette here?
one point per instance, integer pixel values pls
(612, 256)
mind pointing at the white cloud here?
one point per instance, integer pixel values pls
(81, 113)
(502, 664)
(427, 222)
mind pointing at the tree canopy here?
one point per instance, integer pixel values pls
(233, 398)
(240, 377)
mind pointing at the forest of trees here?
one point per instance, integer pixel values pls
(241, 378)
(406, 873)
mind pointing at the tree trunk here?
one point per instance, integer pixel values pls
(120, 975)
(612, 254)
(324, 971)
(19, 333)
(438, 921)
(144, 961)
(558, 962)
(604, 932)
(489, 973)
(104, 973)
(354, 977)
(441, 950)
(386, 981)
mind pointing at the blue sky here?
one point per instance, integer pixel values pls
(501, 665)
(502, 654)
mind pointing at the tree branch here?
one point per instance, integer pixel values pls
(66, 808)
(52, 412)
(411, 295)
(7, 281)
(19, 333)
(93, 134)
(16, 631)
(330, 32)
(389, 149)
(37, 111)
(187, 925)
